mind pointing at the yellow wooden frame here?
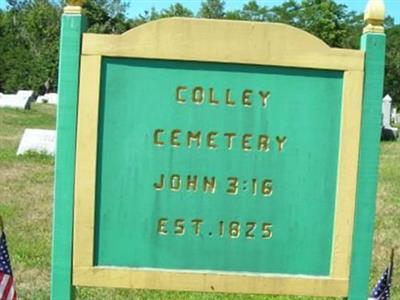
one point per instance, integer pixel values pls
(232, 42)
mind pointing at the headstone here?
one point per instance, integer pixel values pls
(50, 98)
(13, 101)
(37, 140)
(397, 119)
(19, 100)
(388, 132)
(386, 111)
(393, 115)
(25, 94)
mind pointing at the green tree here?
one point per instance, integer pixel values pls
(392, 68)
(253, 12)
(147, 16)
(324, 18)
(29, 45)
(106, 16)
(288, 13)
(212, 9)
(176, 10)
(250, 11)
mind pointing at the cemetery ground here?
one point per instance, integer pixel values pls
(26, 195)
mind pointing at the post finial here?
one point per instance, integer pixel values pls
(74, 6)
(374, 16)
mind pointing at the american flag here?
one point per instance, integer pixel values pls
(381, 290)
(7, 289)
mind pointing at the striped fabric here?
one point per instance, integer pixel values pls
(7, 289)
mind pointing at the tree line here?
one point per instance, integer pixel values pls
(30, 30)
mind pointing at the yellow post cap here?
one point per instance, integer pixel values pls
(374, 16)
(75, 2)
(74, 6)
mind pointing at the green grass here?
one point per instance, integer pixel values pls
(26, 191)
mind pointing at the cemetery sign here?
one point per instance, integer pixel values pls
(217, 156)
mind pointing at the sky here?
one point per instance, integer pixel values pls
(137, 7)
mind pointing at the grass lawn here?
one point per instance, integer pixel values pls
(26, 189)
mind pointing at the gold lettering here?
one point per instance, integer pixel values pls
(160, 185)
(209, 185)
(179, 97)
(175, 183)
(263, 143)
(197, 225)
(191, 183)
(233, 185)
(156, 137)
(281, 142)
(264, 98)
(211, 139)
(267, 231)
(266, 188)
(254, 186)
(228, 98)
(179, 227)
(193, 136)
(162, 226)
(246, 97)
(221, 228)
(174, 137)
(250, 229)
(234, 230)
(230, 136)
(198, 95)
(211, 97)
(245, 142)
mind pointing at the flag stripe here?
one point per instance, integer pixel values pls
(3, 284)
(7, 289)
(11, 293)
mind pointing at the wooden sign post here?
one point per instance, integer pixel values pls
(72, 27)
(216, 156)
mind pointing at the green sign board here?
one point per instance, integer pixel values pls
(206, 166)
(215, 156)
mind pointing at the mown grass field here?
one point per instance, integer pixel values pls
(26, 188)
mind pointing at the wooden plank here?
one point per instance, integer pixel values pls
(351, 116)
(211, 282)
(61, 272)
(224, 41)
(86, 158)
(374, 46)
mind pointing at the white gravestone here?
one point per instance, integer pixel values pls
(397, 119)
(20, 100)
(25, 94)
(38, 140)
(50, 98)
(388, 132)
(393, 116)
(386, 111)
(13, 101)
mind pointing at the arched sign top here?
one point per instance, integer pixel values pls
(224, 41)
